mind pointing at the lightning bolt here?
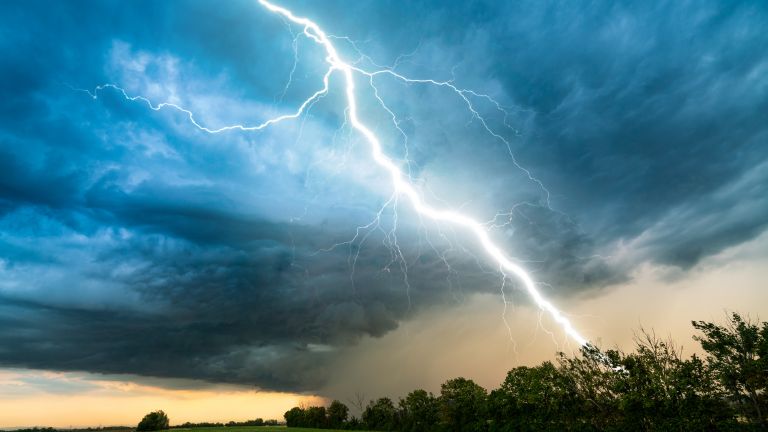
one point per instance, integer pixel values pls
(402, 183)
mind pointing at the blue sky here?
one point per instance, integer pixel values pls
(133, 243)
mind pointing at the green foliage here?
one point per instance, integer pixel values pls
(318, 417)
(380, 415)
(255, 422)
(537, 398)
(738, 354)
(418, 412)
(295, 417)
(660, 391)
(337, 414)
(594, 377)
(153, 421)
(462, 406)
(652, 388)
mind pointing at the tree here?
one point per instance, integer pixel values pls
(652, 388)
(315, 417)
(337, 414)
(594, 377)
(462, 405)
(355, 424)
(380, 415)
(659, 390)
(738, 354)
(418, 411)
(540, 398)
(295, 417)
(153, 421)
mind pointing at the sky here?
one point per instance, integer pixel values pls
(618, 152)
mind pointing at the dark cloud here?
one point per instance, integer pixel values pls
(131, 243)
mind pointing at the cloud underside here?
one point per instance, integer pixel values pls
(131, 242)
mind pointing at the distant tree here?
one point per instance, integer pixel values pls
(188, 425)
(37, 429)
(316, 417)
(594, 376)
(380, 415)
(738, 354)
(256, 422)
(354, 423)
(660, 391)
(337, 414)
(462, 406)
(418, 412)
(295, 417)
(153, 421)
(358, 401)
(540, 398)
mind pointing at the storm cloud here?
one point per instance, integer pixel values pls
(133, 243)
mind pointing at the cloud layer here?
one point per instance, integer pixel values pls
(130, 242)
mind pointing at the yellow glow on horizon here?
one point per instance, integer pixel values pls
(112, 403)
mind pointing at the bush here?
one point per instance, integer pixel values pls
(153, 421)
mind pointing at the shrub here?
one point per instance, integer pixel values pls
(153, 421)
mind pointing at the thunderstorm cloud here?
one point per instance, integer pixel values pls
(133, 243)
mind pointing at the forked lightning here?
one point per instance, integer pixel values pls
(400, 181)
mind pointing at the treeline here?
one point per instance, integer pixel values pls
(256, 422)
(651, 389)
(87, 429)
(37, 429)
